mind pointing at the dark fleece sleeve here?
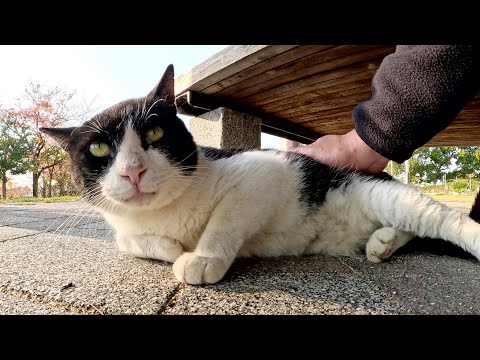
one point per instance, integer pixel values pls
(416, 92)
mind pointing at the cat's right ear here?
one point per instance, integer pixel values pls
(165, 88)
(63, 136)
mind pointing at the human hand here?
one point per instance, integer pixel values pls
(347, 151)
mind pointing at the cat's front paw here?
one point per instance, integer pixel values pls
(195, 270)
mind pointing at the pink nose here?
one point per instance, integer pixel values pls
(134, 173)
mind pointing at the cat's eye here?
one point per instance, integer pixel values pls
(99, 149)
(154, 134)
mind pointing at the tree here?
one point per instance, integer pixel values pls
(47, 107)
(64, 180)
(13, 147)
(394, 169)
(468, 161)
(52, 158)
(432, 163)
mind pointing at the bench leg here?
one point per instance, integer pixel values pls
(225, 128)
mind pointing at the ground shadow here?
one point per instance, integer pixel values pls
(434, 246)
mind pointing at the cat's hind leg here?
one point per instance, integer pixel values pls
(384, 242)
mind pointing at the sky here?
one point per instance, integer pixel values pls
(111, 73)
(104, 74)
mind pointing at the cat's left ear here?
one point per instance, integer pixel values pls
(165, 89)
(63, 136)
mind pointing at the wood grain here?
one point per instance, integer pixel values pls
(318, 96)
(268, 64)
(304, 69)
(227, 62)
(327, 80)
(323, 105)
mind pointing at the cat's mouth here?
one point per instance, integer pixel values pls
(140, 198)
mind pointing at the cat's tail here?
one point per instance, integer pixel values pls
(402, 207)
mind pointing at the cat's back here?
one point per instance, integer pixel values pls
(298, 185)
(290, 174)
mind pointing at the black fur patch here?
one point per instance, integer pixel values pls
(319, 179)
(176, 144)
(216, 154)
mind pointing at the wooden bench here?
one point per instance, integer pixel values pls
(300, 92)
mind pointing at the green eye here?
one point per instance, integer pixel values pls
(99, 149)
(154, 134)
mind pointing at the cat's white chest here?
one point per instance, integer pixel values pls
(184, 224)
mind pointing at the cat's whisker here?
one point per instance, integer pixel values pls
(88, 131)
(148, 117)
(151, 106)
(96, 123)
(65, 223)
(92, 128)
(54, 236)
(144, 108)
(198, 169)
(193, 152)
(71, 219)
(53, 222)
(137, 111)
(186, 178)
(85, 213)
(101, 201)
(89, 220)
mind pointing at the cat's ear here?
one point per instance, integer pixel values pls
(165, 89)
(63, 136)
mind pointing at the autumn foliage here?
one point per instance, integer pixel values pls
(39, 155)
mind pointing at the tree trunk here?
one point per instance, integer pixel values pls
(35, 184)
(50, 179)
(44, 188)
(4, 185)
(61, 191)
(50, 188)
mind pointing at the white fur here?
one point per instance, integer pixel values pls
(248, 205)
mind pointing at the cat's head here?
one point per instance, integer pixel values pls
(135, 154)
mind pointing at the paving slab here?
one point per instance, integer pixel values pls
(21, 304)
(9, 233)
(14, 219)
(426, 283)
(85, 274)
(284, 286)
(57, 224)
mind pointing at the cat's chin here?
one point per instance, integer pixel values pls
(140, 199)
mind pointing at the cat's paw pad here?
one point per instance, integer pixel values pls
(195, 270)
(380, 245)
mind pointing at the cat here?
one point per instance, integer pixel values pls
(200, 208)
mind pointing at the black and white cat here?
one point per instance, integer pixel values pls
(200, 208)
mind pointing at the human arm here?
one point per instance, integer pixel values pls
(417, 92)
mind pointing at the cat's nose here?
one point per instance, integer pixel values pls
(133, 173)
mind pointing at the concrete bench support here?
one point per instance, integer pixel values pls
(225, 128)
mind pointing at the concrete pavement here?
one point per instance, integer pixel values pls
(61, 258)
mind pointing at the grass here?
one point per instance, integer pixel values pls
(446, 197)
(40, 200)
